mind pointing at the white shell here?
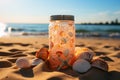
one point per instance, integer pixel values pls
(101, 64)
(81, 65)
(23, 62)
(36, 61)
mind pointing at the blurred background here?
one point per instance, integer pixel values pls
(93, 18)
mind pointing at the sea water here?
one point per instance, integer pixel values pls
(20, 29)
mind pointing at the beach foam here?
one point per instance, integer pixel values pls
(2, 29)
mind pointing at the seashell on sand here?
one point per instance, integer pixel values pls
(81, 66)
(36, 61)
(42, 54)
(23, 62)
(84, 53)
(100, 63)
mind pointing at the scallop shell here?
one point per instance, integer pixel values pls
(42, 54)
(23, 62)
(81, 66)
(36, 61)
(100, 63)
(53, 62)
(84, 53)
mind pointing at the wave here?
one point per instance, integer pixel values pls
(37, 30)
(17, 29)
(12, 29)
(113, 30)
(77, 31)
(99, 31)
(2, 29)
(86, 35)
(34, 33)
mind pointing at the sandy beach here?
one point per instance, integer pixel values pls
(12, 48)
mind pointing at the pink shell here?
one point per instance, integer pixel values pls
(23, 62)
(99, 63)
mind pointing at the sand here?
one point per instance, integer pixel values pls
(12, 48)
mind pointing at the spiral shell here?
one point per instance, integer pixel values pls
(23, 62)
(81, 66)
(100, 63)
(42, 54)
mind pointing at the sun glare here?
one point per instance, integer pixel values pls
(2, 29)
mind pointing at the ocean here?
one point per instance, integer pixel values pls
(107, 31)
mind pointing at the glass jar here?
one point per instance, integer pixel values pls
(61, 41)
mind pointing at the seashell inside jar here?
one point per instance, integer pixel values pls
(61, 40)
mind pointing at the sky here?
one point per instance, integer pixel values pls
(39, 11)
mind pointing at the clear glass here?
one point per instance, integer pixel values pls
(61, 42)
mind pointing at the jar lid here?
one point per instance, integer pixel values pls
(62, 17)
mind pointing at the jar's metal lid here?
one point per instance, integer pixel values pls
(62, 17)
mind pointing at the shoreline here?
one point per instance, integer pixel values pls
(78, 34)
